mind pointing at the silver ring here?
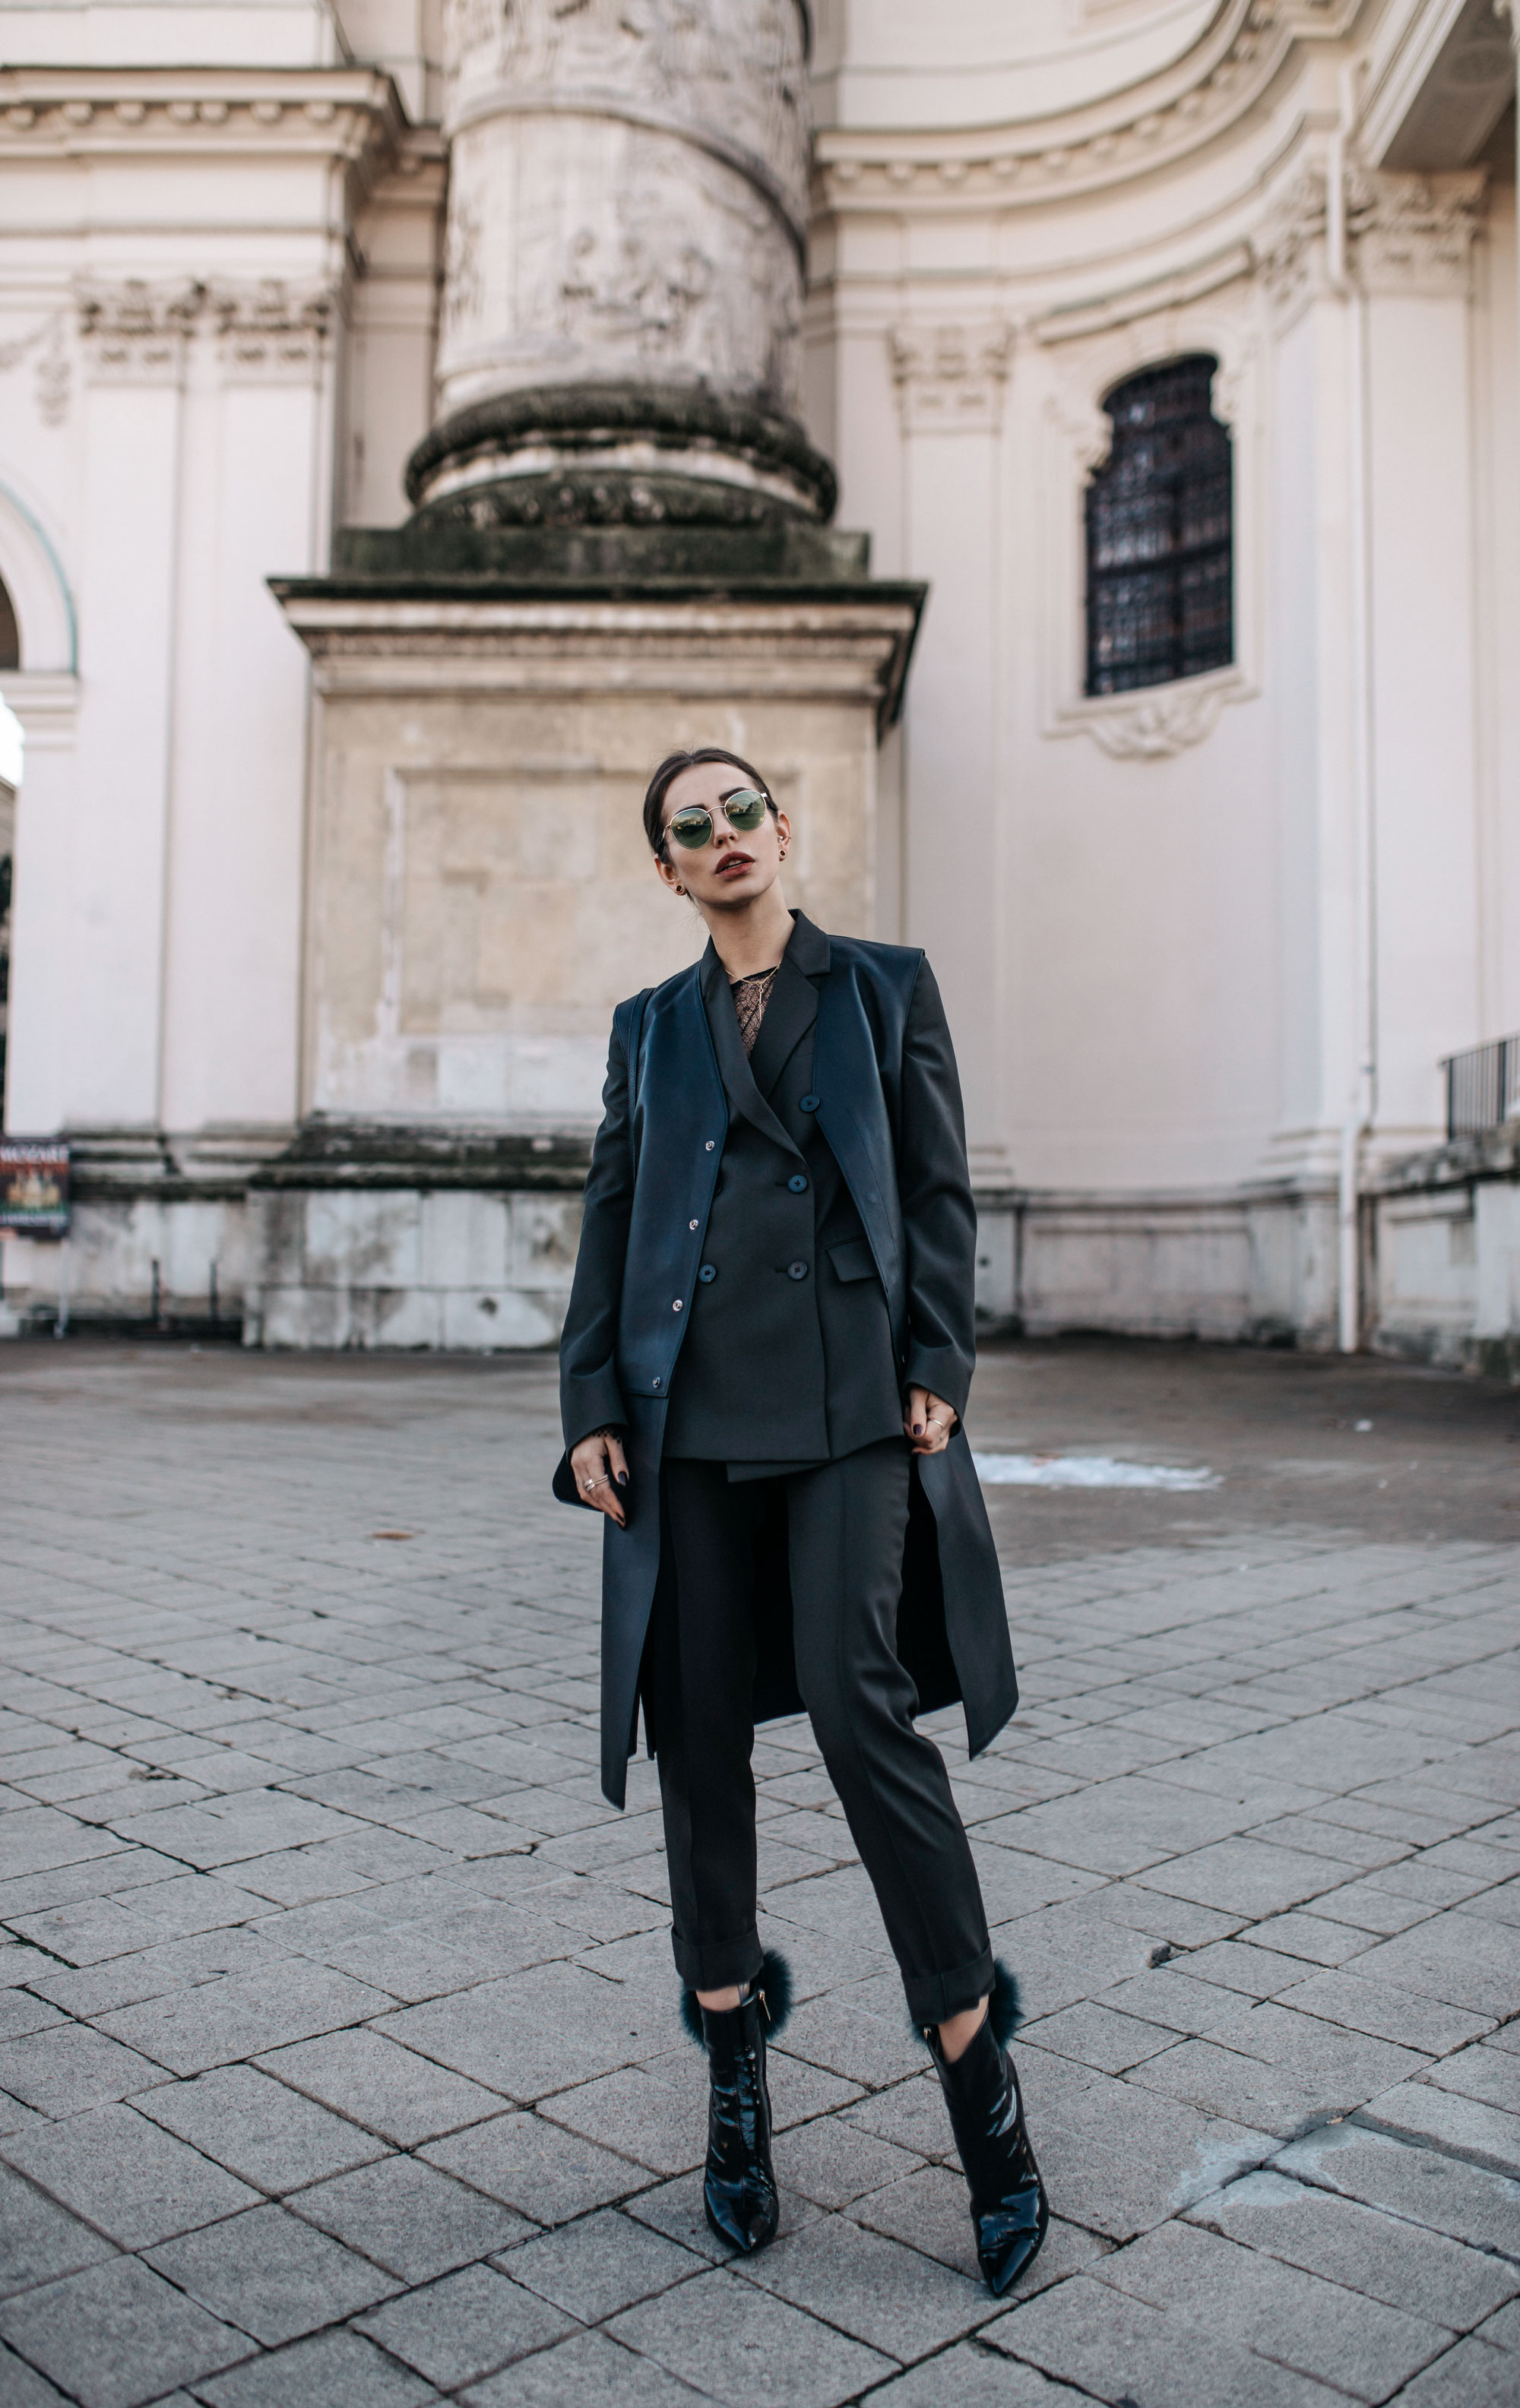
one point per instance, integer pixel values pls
(590, 1484)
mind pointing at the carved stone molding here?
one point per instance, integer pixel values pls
(135, 333)
(44, 346)
(273, 331)
(951, 380)
(1148, 125)
(1283, 248)
(1404, 234)
(78, 112)
(1161, 721)
(1413, 234)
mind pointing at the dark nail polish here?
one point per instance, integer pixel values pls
(622, 1480)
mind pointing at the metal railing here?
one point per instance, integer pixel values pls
(1482, 1087)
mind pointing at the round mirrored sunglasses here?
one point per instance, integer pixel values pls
(693, 827)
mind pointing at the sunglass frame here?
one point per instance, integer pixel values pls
(743, 820)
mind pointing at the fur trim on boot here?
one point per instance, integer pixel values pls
(773, 1982)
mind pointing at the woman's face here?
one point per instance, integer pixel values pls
(736, 867)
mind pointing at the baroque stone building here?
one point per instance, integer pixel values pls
(411, 419)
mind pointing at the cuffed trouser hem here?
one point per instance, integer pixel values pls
(934, 1998)
(714, 1964)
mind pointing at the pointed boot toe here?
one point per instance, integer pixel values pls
(738, 2186)
(1009, 2212)
(1008, 2237)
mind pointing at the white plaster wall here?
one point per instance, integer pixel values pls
(128, 523)
(167, 469)
(234, 858)
(1425, 733)
(387, 384)
(1160, 967)
(974, 62)
(953, 851)
(1496, 614)
(1311, 760)
(169, 33)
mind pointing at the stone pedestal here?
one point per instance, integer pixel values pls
(620, 547)
(480, 893)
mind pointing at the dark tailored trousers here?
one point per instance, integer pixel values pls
(845, 1525)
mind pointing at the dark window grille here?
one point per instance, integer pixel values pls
(10, 634)
(1160, 568)
(1482, 1087)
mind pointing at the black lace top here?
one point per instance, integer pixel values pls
(751, 995)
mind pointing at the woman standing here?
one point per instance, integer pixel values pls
(764, 1368)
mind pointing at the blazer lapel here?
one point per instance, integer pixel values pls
(790, 1014)
(738, 1077)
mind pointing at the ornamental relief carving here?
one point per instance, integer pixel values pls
(1413, 234)
(272, 331)
(1162, 721)
(654, 261)
(1282, 245)
(52, 374)
(950, 379)
(731, 74)
(136, 331)
(463, 291)
(1404, 234)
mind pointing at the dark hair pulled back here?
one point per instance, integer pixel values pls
(671, 768)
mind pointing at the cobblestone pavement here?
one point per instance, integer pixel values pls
(338, 2052)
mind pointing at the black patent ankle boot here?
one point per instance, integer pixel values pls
(738, 2190)
(1008, 2208)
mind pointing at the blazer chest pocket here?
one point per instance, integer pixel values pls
(853, 1260)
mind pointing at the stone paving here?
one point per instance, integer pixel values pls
(340, 2064)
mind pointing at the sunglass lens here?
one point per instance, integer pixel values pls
(691, 828)
(745, 810)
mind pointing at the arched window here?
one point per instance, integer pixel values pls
(1159, 547)
(10, 634)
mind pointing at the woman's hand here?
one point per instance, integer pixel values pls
(928, 1422)
(601, 1470)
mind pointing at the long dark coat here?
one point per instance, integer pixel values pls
(647, 1199)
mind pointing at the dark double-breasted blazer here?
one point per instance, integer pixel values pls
(855, 1095)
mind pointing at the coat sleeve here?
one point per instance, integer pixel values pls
(939, 1216)
(589, 1396)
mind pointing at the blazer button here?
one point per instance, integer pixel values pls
(708, 1273)
(655, 1382)
(796, 1271)
(711, 1143)
(797, 1184)
(676, 1307)
(691, 1225)
(808, 1104)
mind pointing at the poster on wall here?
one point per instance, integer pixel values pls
(33, 1186)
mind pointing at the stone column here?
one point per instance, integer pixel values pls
(627, 215)
(621, 543)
